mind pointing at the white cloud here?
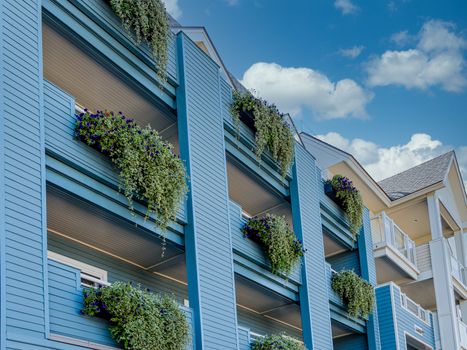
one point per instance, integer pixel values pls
(401, 38)
(294, 89)
(352, 52)
(437, 60)
(346, 7)
(382, 162)
(173, 8)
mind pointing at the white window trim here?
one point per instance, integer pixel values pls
(89, 272)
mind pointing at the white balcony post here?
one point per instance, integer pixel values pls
(442, 279)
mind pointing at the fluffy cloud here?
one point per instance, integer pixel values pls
(437, 60)
(294, 89)
(382, 162)
(173, 8)
(352, 52)
(346, 6)
(401, 38)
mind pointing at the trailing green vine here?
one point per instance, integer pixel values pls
(149, 22)
(351, 200)
(149, 170)
(272, 131)
(278, 241)
(355, 292)
(138, 319)
(276, 342)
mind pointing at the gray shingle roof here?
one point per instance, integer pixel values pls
(418, 177)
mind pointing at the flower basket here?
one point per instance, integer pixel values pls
(331, 193)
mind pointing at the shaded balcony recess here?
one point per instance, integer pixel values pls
(265, 302)
(98, 85)
(394, 251)
(94, 227)
(462, 334)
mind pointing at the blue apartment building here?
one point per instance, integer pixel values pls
(65, 226)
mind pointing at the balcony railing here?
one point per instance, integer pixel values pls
(457, 269)
(462, 334)
(385, 231)
(415, 308)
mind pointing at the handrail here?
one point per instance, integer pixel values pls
(392, 235)
(457, 269)
(415, 308)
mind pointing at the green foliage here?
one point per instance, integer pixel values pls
(139, 320)
(148, 20)
(272, 130)
(278, 241)
(276, 342)
(149, 170)
(351, 200)
(355, 292)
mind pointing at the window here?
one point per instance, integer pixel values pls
(91, 276)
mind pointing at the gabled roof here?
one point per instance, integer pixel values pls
(417, 178)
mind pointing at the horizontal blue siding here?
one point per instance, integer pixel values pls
(395, 320)
(354, 342)
(243, 339)
(347, 260)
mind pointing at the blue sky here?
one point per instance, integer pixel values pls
(383, 79)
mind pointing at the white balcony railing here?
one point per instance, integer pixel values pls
(457, 269)
(385, 231)
(462, 334)
(415, 308)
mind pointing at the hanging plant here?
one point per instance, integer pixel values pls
(277, 342)
(147, 21)
(344, 193)
(355, 292)
(149, 170)
(272, 131)
(278, 241)
(138, 319)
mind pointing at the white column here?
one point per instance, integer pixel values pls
(442, 280)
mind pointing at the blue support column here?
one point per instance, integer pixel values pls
(368, 272)
(23, 298)
(314, 299)
(211, 283)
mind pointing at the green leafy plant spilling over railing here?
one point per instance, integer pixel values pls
(278, 241)
(355, 292)
(272, 131)
(344, 193)
(149, 170)
(138, 319)
(276, 342)
(148, 20)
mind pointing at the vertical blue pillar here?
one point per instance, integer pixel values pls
(209, 256)
(314, 299)
(23, 298)
(368, 272)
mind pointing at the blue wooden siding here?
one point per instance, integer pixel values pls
(208, 241)
(395, 320)
(84, 161)
(23, 291)
(65, 299)
(354, 342)
(347, 260)
(368, 272)
(314, 302)
(243, 339)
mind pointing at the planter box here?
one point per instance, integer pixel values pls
(329, 191)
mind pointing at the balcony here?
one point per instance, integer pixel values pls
(462, 334)
(394, 251)
(458, 276)
(403, 322)
(67, 325)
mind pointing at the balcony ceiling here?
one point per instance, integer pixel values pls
(94, 85)
(427, 298)
(95, 227)
(266, 302)
(413, 219)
